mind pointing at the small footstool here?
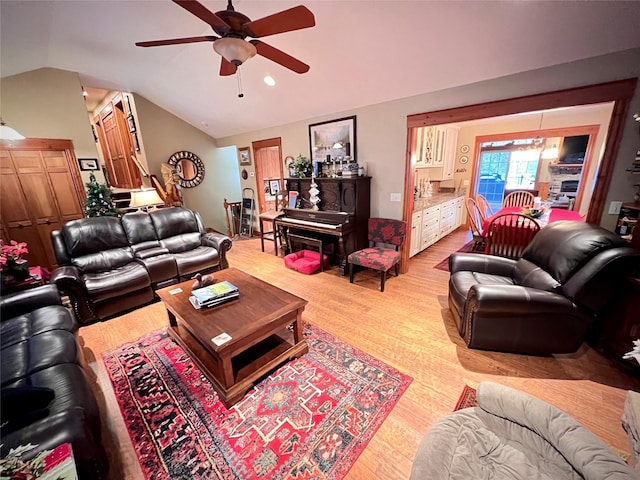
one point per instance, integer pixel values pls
(305, 261)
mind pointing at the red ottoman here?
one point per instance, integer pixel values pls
(305, 261)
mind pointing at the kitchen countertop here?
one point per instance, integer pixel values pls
(436, 199)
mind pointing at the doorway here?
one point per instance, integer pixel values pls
(269, 172)
(618, 92)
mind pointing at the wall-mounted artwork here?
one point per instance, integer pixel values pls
(87, 164)
(245, 156)
(334, 140)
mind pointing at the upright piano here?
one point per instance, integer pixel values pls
(343, 213)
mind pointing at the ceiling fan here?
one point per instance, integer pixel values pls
(233, 27)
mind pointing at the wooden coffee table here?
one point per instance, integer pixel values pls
(264, 323)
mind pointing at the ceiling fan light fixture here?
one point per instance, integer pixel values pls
(234, 50)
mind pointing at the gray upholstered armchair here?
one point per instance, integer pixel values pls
(546, 301)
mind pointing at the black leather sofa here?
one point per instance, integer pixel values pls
(545, 302)
(107, 265)
(46, 387)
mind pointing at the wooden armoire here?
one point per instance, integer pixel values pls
(41, 190)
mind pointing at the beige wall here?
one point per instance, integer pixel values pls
(48, 103)
(381, 129)
(162, 134)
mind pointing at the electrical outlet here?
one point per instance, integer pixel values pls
(614, 208)
(396, 197)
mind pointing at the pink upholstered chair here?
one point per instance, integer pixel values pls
(382, 231)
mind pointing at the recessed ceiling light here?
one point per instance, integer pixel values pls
(269, 80)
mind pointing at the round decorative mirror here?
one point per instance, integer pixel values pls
(189, 168)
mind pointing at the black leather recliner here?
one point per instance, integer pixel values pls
(107, 265)
(546, 301)
(46, 387)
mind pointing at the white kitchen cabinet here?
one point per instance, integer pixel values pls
(431, 224)
(447, 217)
(449, 149)
(416, 233)
(428, 146)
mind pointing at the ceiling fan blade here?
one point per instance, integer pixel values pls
(280, 57)
(227, 68)
(286, 21)
(176, 41)
(200, 11)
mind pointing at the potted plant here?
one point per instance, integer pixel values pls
(301, 167)
(12, 264)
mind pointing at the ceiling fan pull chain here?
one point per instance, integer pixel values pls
(240, 94)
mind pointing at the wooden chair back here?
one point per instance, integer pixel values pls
(483, 207)
(518, 198)
(509, 234)
(474, 217)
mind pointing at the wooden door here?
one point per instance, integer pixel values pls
(41, 190)
(117, 146)
(268, 158)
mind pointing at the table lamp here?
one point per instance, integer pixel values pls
(144, 198)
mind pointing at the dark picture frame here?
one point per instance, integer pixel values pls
(245, 156)
(132, 123)
(88, 164)
(333, 140)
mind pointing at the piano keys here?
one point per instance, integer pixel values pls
(342, 216)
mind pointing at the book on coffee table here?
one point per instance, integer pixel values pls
(215, 294)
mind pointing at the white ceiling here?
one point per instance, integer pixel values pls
(360, 52)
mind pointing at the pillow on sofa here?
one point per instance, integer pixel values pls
(23, 405)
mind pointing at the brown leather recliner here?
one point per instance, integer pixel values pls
(108, 265)
(546, 301)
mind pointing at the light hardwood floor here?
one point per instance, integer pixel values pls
(409, 327)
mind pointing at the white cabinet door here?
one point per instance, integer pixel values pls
(416, 233)
(430, 226)
(440, 138)
(449, 150)
(418, 147)
(459, 205)
(428, 146)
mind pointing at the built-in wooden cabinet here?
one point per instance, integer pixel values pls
(41, 191)
(430, 224)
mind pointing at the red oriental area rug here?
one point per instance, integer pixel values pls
(467, 398)
(444, 264)
(310, 419)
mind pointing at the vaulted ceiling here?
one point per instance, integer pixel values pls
(360, 52)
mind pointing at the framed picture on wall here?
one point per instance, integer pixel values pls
(333, 140)
(87, 164)
(245, 156)
(131, 122)
(274, 186)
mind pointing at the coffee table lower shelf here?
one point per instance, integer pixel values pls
(248, 366)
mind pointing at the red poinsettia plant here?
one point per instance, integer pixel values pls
(12, 254)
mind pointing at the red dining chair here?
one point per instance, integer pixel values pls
(518, 198)
(483, 207)
(382, 231)
(507, 235)
(475, 221)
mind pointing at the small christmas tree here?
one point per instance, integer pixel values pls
(99, 203)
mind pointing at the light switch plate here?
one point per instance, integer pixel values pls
(396, 197)
(614, 208)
